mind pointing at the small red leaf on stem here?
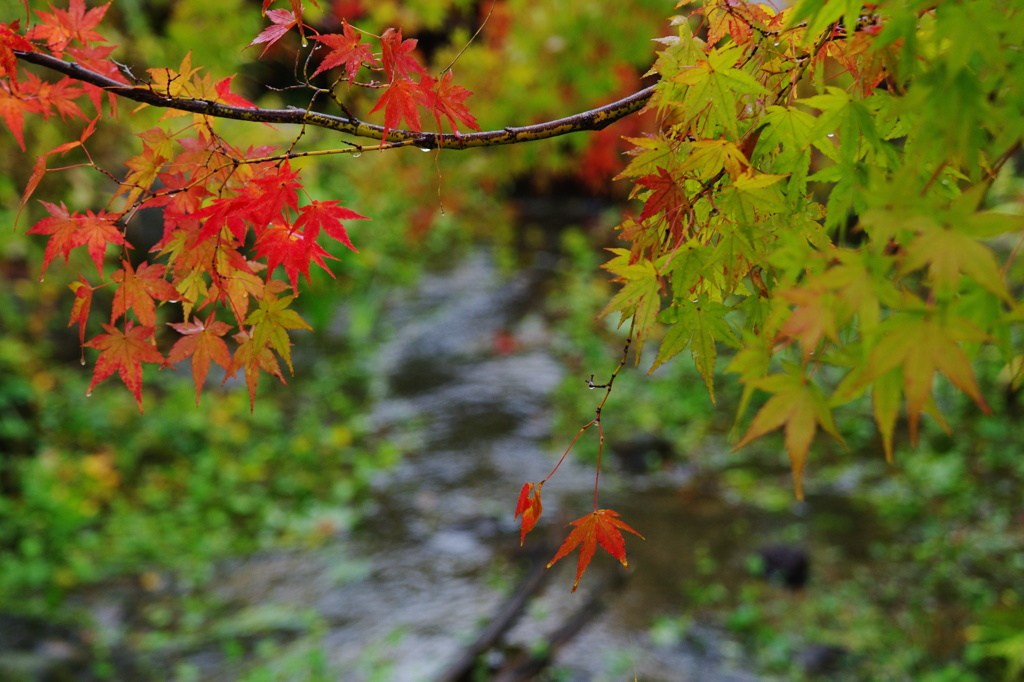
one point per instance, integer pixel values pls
(529, 506)
(80, 310)
(600, 527)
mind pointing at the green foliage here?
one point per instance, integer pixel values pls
(817, 195)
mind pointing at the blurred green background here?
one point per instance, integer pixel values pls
(95, 496)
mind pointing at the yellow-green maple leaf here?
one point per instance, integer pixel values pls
(920, 346)
(798, 407)
(640, 296)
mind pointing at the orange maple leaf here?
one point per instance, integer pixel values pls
(600, 527)
(9, 42)
(60, 27)
(138, 290)
(530, 507)
(124, 352)
(93, 230)
(253, 356)
(202, 343)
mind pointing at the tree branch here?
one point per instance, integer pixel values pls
(594, 119)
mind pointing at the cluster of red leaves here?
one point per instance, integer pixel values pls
(409, 87)
(231, 216)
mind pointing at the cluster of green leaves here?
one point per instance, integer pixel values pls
(815, 199)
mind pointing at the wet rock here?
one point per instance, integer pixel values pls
(822, 661)
(643, 453)
(35, 650)
(785, 565)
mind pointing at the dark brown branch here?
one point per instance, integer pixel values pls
(594, 119)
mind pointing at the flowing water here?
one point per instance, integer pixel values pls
(464, 389)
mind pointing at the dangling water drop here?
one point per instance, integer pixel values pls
(89, 394)
(356, 155)
(424, 149)
(83, 362)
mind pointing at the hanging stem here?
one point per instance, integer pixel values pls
(597, 416)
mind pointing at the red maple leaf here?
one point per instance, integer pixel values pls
(60, 27)
(400, 101)
(445, 99)
(600, 527)
(268, 195)
(93, 230)
(326, 216)
(13, 107)
(282, 21)
(201, 341)
(39, 169)
(396, 56)
(94, 58)
(530, 507)
(83, 302)
(229, 212)
(9, 42)
(124, 352)
(138, 290)
(346, 48)
(225, 95)
(284, 245)
(296, 11)
(667, 195)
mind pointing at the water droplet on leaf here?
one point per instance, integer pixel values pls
(424, 149)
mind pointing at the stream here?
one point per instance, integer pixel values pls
(464, 390)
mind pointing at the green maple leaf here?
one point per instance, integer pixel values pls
(271, 323)
(949, 255)
(697, 326)
(640, 296)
